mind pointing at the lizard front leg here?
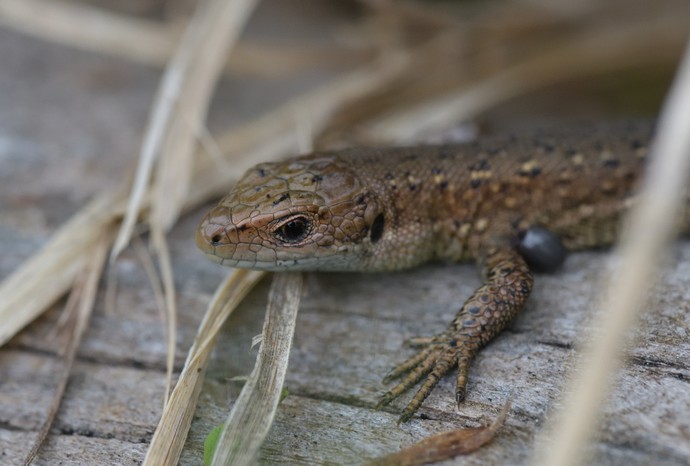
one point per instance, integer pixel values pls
(508, 283)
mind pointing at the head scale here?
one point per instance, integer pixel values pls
(310, 213)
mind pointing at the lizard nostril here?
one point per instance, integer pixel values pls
(215, 240)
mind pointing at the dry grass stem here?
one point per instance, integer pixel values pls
(50, 273)
(171, 432)
(578, 56)
(189, 81)
(90, 28)
(649, 229)
(179, 107)
(150, 268)
(253, 413)
(85, 296)
(152, 43)
(170, 139)
(160, 245)
(446, 445)
(274, 135)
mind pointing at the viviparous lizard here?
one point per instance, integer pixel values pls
(377, 209)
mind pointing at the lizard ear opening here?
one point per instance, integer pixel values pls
(377, 228)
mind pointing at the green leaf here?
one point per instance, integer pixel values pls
(210, 444)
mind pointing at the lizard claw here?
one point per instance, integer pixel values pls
(484, 314)
(434, 361)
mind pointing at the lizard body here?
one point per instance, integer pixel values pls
(372, 209)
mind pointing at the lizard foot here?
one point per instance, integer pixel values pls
(437, 356)
(492, 305)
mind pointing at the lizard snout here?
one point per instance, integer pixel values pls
(211, 234)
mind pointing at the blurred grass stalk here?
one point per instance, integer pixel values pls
(648, 230)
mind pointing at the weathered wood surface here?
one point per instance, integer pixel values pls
(70, 120)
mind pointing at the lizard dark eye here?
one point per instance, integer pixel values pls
(293, 230)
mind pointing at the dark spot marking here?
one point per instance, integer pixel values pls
(261, 172)
(636, 144)
(407, 174)
(242, 228)
(360, 199)
(611, 163)
(388, 176)
(436, 171)
(377, 228)
(316, 178)
(484, 164)
(570, 152)
(444, 153)
(443, 185)
(475, 183)
(281, 198)
(474, 310)
(412, 186)
(534, 171)
(410, 157)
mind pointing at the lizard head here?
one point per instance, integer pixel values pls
(310, 213)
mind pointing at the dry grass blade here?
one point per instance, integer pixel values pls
(168, 440)
(152, 43)
(90, 28)
(85, 292)
(581, 55)
(160, 245)
(50, 273)
(251, 417)
(196, 67)
(446, 445)
(180, 105)
(649, 229)
(176, 117)
(273, 135)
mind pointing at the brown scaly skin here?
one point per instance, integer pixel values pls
(394, 208)
(508, 283)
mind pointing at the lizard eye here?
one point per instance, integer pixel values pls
(294, 230)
